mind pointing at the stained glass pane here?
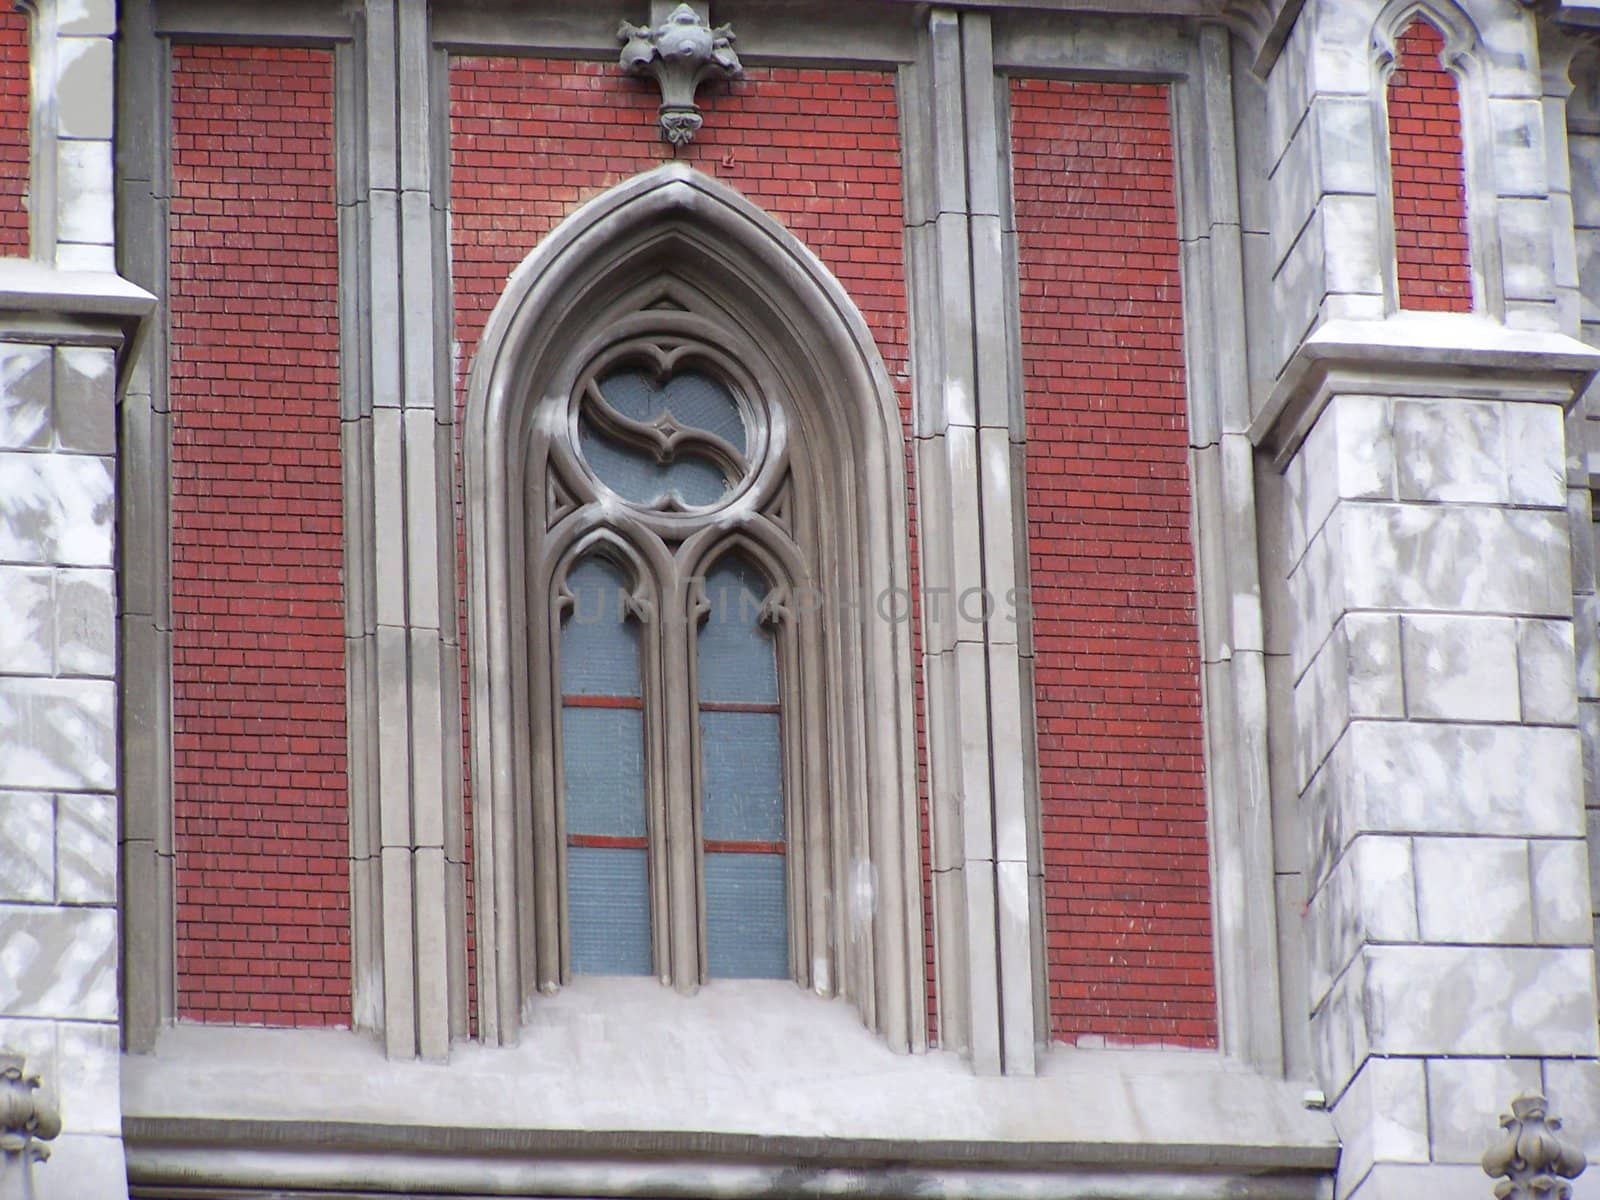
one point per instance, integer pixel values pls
(743, 777)
(599, 642)
(602, 758)
(692, 400)
(608, 911)
(747, 916)
(736, 658)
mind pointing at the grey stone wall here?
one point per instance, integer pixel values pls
(58, 769)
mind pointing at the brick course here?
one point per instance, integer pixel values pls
(259, 786)
(1127, 901)
(14, 102)
(1430, 191)
(532, 138)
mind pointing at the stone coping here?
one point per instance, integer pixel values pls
(36, 287)
(1432, 354)
(758, 1071)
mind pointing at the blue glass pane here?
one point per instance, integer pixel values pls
(602, 757)
(608, 911)
(693, 400)
(599, 642)
(742, 789)
(735, 653)
(637, 476)
(747, 917)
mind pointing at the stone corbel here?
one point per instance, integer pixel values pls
(1531, 1160)
(26, 1121)
(682, 52)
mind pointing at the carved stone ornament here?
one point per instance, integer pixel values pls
(682, 53)
(1530, 1160)
(26, 1122)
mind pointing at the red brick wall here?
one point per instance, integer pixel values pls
(259, 796)
(533, 138)
(14, 102)
(1430, 189)
(1127, 907)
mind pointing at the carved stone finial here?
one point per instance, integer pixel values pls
(1534, 1161)
(26, 1122)
(682, 53)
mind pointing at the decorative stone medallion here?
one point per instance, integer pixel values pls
(682, 53)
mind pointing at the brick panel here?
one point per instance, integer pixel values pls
(1432, 260)
(14, 101)
(259, 789)
(531, 139)
(1127, 901)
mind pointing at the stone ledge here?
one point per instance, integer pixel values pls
(1418, 354)
(34, 287)
(761, 1073)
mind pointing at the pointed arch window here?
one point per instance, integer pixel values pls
(692, 715)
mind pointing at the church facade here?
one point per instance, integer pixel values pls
(979, 599)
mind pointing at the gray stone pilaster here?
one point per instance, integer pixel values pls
(1436, 745)
(968, 429)
(406, 816)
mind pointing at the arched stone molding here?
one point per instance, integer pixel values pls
(744, 274)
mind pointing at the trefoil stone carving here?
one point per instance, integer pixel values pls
(26, 1122)
(681, 53)
(1531, 1161)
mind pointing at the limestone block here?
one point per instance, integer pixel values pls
(57, 734)
(1296, 189)
(27, 846)
(1583, 154)
(1546, 672)
(58, 962)
(1526, 249)
(1370, 896)
(24, 396)
(1449, 450)
(1517, 127)
(84, 87)
(1339, 1034)
(1439, 778)
(1289, 96)
(1559, 870)
(1535, 447)
(87, 1077)
(1465, 1099)
(1472, 558)
(1372, 646)
(1480, 1000)
(1460, 668)
(85, 399)
(83, 192)
(56, 508)
(86, 849)
(1353, 248)
(86, 256)
(83, 18)
(1348, 455)
(1413, 1181)
(83, 1165)
(1345, 155)
(1298, 287)
(1317, 593)
(27, 634)
(1383, 1116)
(1573, 1089)
(1473, 890)
(85, 621)
(1356, 673)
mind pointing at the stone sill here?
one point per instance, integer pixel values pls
(34, 287)
(750, 1078)
(1418, 353)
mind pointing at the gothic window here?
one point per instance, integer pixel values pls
(692, 729)
(673, 849)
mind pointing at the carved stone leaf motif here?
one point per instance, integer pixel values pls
(682, 53)
(1534, 1160)
(26, 1120)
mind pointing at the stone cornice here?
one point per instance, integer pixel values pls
(1433, 354)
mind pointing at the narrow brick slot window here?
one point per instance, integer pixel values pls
(1432, 263)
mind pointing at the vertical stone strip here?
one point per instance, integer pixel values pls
(967, 428)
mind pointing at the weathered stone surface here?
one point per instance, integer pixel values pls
(57, 734)
(86, 849)
(58, 962)
(27, 846)
(85, 399)
(27, 634)
(55, 509)
(1473, 890)
(1460, 668)
(24, 396)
